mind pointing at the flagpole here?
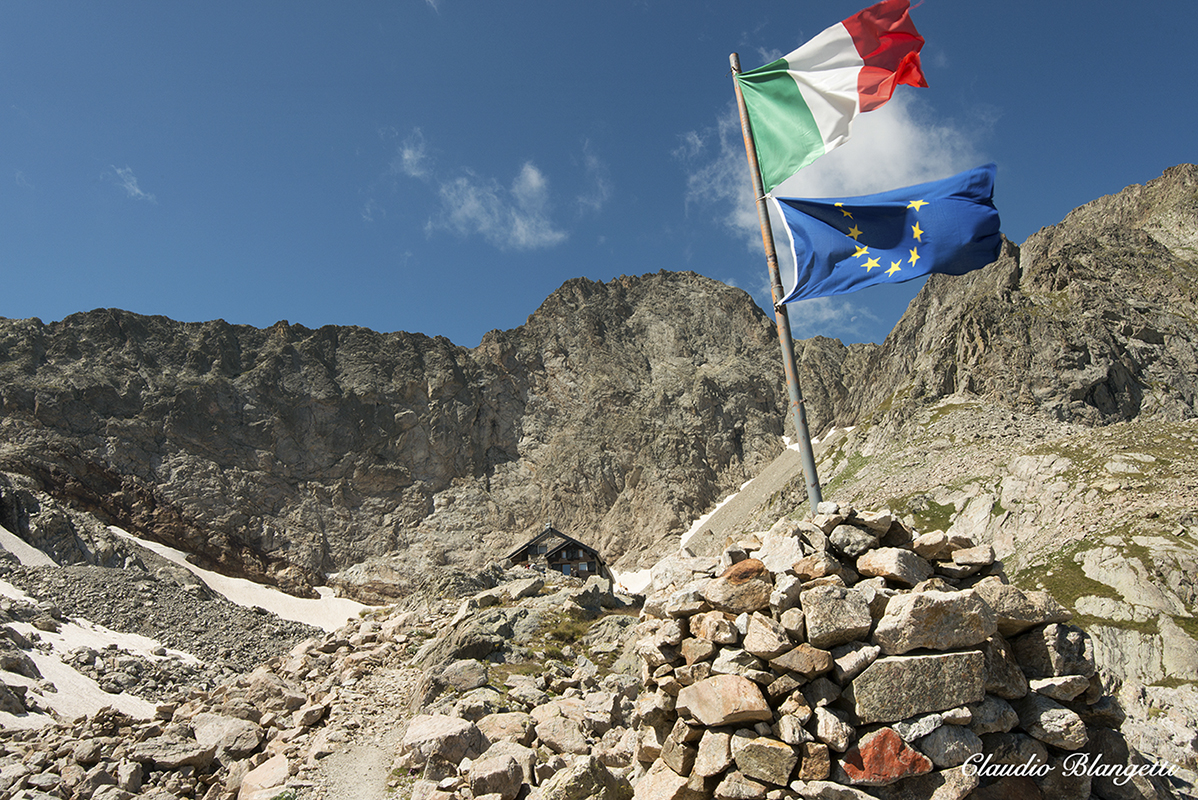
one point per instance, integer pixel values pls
(781, 316)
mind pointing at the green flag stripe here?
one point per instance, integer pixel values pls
(784, 130)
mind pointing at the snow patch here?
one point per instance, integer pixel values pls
(27, 554)
(74, 694)
(329, 612)
(698, 524)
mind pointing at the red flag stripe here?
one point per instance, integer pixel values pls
(886, 40)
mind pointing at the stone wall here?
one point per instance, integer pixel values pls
(842, 657)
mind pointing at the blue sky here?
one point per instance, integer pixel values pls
(441, 166)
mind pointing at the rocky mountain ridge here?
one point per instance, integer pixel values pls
(1043, 406)
(288, 453)
(619, 411)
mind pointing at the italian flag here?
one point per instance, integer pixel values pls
(801, 106)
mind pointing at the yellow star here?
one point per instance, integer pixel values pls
(914, 255)
(894, 267)
(861, 251)
(870, 264)
(917, 231)
(848, 214)
(853, 233)
(917, 204)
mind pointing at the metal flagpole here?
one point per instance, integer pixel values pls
(798, 412)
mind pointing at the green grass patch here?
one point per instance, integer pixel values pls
(889, 402)
(1089, 623)
(942, 411)
(568, 628)
(1189, 625)
(1063, 578)
(926, 513)
(852, 465)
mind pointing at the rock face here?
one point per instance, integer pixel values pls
(620, 411)
(287, 453)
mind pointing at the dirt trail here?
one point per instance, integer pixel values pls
(366, 727)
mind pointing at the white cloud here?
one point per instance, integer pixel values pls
(719, 176)
(596, 195)
(895, 146)
(412, 157)
(126, 180)
(22, 181)
(836, 317)
(515, 218)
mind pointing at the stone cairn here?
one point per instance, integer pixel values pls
(842, 657)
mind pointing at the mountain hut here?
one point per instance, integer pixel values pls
(552, 549)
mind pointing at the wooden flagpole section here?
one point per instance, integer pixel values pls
(798, 412)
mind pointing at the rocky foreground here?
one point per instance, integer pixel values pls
(834, 657)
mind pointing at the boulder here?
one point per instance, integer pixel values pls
(763, 758)
(937, 620)
(881, 758)
(562, 735)
(233, 738)
(714, 627)
(737, 786)
(661, 783)
(897, 687)
(1050, 722)
(835, 615)
(743, 588)
(851, 540)
(765, 638)
(439, 735)
(498, 775)
(589, 779)
(779, 551)
(724, 700)
(1002, 676)
(894, 564)
(805, 660)
(949, 745)
(510, 726)
(266, 780)
(1054, 650)
(464, 674)
(714, 754)
(1016, 611)
(833, 729)
(167, 752)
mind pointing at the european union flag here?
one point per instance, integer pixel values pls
(842, 245)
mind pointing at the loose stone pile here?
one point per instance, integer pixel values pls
(267, 733)
(841, 652)
(560, 730)
(250, 737)
(188, 617)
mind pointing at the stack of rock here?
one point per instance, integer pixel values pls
(560, 732)
(842, 657)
